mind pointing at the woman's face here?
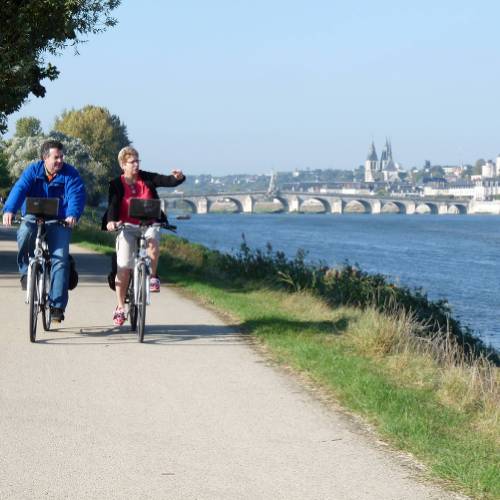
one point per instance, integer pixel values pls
(130, 166)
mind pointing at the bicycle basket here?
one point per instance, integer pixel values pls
(144, 209)
(42, 207)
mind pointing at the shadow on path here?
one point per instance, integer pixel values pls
(155, 334)
(179, 334)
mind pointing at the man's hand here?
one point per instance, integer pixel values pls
(7, 218)
(113, 225)
(178, 174)
(70, 221)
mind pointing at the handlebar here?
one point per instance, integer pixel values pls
(39, 220)
(163, 225)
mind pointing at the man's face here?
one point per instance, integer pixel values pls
(130, 166)
(54, 160)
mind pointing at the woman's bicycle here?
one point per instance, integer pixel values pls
(38, 276)
(138, 295)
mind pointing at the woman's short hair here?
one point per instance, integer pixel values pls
(125, 153)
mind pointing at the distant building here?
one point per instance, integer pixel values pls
(371, 164)
(479, 190)
(489, 170)
(384, 170)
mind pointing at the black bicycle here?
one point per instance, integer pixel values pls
(138, 295)
(39, 267)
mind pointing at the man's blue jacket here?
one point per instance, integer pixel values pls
(67, 185)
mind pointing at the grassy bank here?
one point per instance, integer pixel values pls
(420, 386)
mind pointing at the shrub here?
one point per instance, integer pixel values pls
(346, 285)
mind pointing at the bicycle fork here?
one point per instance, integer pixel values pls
(136, 283)
(30, 278)
(37, 258)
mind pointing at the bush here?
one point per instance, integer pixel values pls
(347, 285)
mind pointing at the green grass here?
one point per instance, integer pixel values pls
(411, 419)
(329, 346)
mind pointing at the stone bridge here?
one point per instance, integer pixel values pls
(328, 203)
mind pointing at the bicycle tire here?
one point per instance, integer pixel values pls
(132, 307)
(141, 302)
(44, 303)
(33, 300)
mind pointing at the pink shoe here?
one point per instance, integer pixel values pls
(118, 316)
(154, 285)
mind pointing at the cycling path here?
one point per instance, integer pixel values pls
(193, 413)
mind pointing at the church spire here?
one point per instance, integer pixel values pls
(372, 154)
(388, 148)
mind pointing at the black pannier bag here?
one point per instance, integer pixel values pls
(73, 273)
(112, 274)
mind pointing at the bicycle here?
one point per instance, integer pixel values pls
(39, 266)
(138, 295)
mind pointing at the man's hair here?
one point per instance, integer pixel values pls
(47, 146)
(125, 153)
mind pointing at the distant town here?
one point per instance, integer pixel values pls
(378, 176)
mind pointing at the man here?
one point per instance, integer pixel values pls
(49, 177)
(133, 183)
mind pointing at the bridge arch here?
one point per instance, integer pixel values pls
(426, 208)
(175, 202)
(225, 201)
(457, 209)
(284, 203)
(353, 206)
(393, 206)
(326, 208)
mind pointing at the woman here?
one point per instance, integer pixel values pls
(133, 183)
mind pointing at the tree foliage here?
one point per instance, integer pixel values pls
(478, 166)
(21, 151)
(31, 30)
(28, 126)
(101, 132)
(5, 180)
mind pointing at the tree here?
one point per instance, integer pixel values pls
(478, 166)
(5, 180)
(21, 151)
(28, 126)
(437, 171)
(32, 29)
(101, 132)
(467, 171)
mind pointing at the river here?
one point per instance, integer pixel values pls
(451, 257)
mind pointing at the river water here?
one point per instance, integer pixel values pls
(451, 257)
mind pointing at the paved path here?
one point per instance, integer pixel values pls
(193, 413)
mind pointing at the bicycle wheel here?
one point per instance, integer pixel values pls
(44, 300)
(141, 302)
(132, 307)
(33, 299)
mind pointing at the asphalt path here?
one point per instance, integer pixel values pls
(193, 413)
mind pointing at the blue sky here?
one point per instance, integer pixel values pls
(253, 86)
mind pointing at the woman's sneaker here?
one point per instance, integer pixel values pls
(119, 316)
(154, 285)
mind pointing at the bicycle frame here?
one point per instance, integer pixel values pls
(142, 256)
(41, 256)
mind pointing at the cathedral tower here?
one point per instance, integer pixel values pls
(371, 164)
